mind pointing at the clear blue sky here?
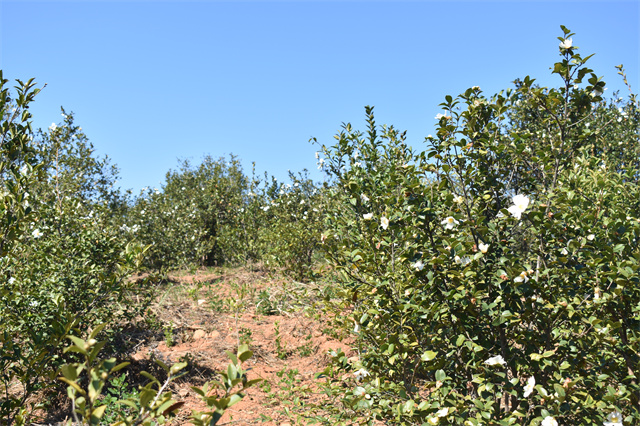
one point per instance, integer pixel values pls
(154, 81)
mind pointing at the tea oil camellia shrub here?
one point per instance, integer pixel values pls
(214, 214)
(493, 278)
(183, 221)
(66, 266)
(291, 232)
(24, 359)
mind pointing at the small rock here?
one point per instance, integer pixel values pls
(199, 334)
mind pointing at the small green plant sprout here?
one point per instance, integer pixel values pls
(245, 336)
(168, 335)
(281, 348)
(232, 384)
(150, 404)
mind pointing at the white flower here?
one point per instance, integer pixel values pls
(364, 198)
(36, 233)
(361, 374)
(433, 420)
(12, 280)
(590, 237)
(464, 261)
(520, 204)
(459, 199)
(442, 412)
(449, 223)
(615, 419)
(419, 265)
(384, 222)
(317, 155)
(495, 360)
(531, 382)
(523, 277)
(549, 421)
(564, 252)
(367, 216)
(483, 247)
(53, 127)
(566, 43)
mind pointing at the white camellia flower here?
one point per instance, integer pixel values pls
(419, 265)
(442, 412)
(566, 43)
(459, 199)
(483, 247)
(549, 421)
(433, 420)
(361, 374)
(384, 222)
(520, 204)
(367, 216)
(364, 198)
(531, 382)
(495, 360)
(12, 280)
(615, 419)
(36, 233)
(439, 116)
(523, 277)
(464, 261)
(449, 223)
(53, 127)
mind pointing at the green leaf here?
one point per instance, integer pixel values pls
(428, 355)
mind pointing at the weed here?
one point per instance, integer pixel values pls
(168, 335)
(265, 305)
(245, 336)
(281, 349)
(118, 390)
(306, 349)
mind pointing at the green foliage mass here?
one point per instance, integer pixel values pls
(214, 214)
(506, 251)
(65, 267)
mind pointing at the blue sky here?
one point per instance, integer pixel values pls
(154, 81)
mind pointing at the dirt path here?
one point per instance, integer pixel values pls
(212, 310)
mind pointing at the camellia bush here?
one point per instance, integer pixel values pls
(214, 214)
(492, 279)
(65, 264)
(292, 226)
